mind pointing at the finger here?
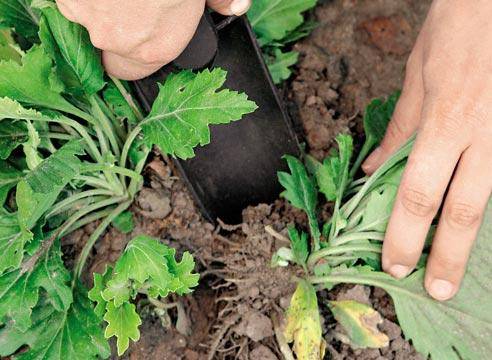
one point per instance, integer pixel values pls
(407, 113)
(459, 224)
(126, 68)
(230, 7)
(438, 147)
(66, 10)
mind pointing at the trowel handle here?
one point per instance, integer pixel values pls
(202, 48)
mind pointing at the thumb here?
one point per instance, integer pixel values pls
(406, 118)
(230, 7)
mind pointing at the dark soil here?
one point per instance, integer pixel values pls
(357, 53)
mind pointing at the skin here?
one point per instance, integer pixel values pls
(140, 36)
(447, 100)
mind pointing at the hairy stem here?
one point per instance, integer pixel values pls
(62, 205)
(128, 97)
(343, 249)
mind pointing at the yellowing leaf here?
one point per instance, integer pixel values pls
(360, 321)
(303, 323)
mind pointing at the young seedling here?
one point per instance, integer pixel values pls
(349, 248)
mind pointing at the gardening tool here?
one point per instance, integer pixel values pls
(239, 167)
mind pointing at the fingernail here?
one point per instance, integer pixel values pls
(372, 161)
(240, 7)
(441, 289)
(399, 271)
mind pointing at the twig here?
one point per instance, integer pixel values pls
(276, 234)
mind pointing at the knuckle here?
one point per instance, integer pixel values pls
(151, 55)
(446, 264)
(460, 215)
(418, 203)
(396, 130)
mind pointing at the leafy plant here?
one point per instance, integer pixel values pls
(277, 24)
(349, 249)
(73, 144)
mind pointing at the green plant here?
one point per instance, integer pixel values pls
(73, 144)
(349, 247)
(278, 24)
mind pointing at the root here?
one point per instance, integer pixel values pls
(270, 230)
(219, 336)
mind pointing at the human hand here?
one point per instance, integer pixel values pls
(140, 36)
(447, 100)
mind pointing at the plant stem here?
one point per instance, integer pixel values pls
(95, 236)
(59, 207)
(128, 97)
(128, 143)
(134, 184)
(120, 131)
(96, 182)
(106, 125)
(89, 219)
(401, 154)
(343, 249)
(366, 148)
(93, 149)
(354, 236)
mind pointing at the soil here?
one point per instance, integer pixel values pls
(357, 52)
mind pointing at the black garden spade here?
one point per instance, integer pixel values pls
(238, 168)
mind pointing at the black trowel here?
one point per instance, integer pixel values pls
(239, 167)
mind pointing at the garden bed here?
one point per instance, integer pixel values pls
(357, 52)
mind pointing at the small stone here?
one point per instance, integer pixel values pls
(261, 352)
(255, 325)
(392, 330)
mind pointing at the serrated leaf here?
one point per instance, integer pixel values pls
(123, 322)
(184, 278)
(332, 175)
(299, 245)
(378, 209)
(31, 82)
(124, 222)
(360, 322)
(185, 107)
(377, 117)
(95, 294)
(280, 64)
(77, 60)
(58, 335)
(303, 324)
(19, 290)
(300, 191)
(19, 14)
(118, 104)
(274, 19)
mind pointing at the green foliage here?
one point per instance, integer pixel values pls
(300, 246)
(124, 222)
(72, 151)
(300, 190)
(187, 104)
(147, 266)
(455, 329)
(274, 19)
(279, 66)
(277, 24)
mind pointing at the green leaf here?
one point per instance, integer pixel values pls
(184, 278)
(12, 241)
(95, 294)
(299, 246)
(118, 104)
(19, 14)
(9, 177)
(360, 322)
(300, 191)
(303, 323)
(8, 48)
(124, 222)
(332, 176)
(377, 212)
(58, 335)
(123, 322)
(31, 82)
(12, 134)
(377, 117)
(185, 107)
(280, 65)
(274, 19)
(19, 290)
(77, 60)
